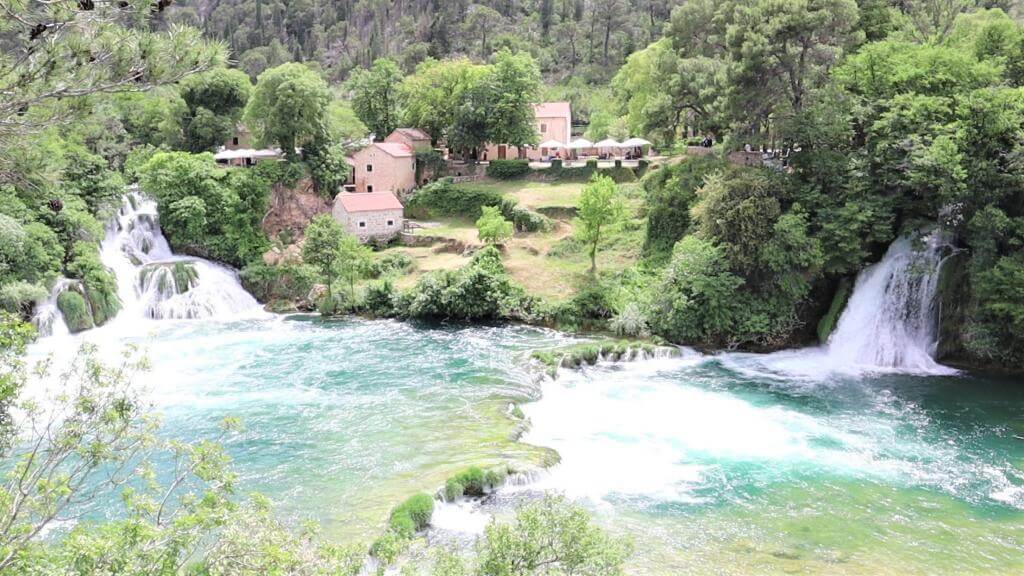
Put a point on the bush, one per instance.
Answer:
(284, 281)
(398, 262)
(479, 290)
(99, 284)
(473, 481)
(412, 515)
(528, 221)
(630, 322)
(508, 169)
(442, 198)
(380, 299)
(19, 297)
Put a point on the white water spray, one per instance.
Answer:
(48, 319)
(892, 320)
(153, 282)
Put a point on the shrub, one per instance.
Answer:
(528, 221)
(412, 515)
(99, 284)
(492, 226)
(630, 322)
(379, 299)
(508, 169)
(442, 198)
(473, 481)
(479, 290)
(284, 281)
(392, 262)
(18, 297)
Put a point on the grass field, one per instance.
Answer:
(548, 264)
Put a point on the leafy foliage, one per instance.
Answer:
(205, 210)
(599, 209)
(492, 227)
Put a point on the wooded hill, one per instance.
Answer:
(589, 38)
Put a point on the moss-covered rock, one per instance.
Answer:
(589, 353)
(829, 321)
(77, 313)
(474, 481)
(954, 297)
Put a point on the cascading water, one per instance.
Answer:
(891, 320)
(155, 283)
(48, 319)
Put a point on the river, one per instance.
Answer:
(712, 464)
(863, 456)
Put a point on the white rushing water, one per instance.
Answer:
(147, 281)
(891, 319)
(48, 319)
(152, 281)
(890, 323)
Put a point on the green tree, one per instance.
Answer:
(375, 96)
(322, 248)
(697, 298)
(288, 107)
(599, 209)
(49, 65)
(432, 95)
(216, 100)
(515, 81)
(492, 226)
(550, 535)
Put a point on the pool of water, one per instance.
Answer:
(713, 465)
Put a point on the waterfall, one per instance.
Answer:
(153, 282)
(891, 319)
(48, 319)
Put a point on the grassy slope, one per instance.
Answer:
(548, 264)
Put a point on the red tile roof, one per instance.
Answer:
(551, 110)
(368, 201)
(414, 133)
(396, 149)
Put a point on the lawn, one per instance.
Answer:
(535, 195)
(547, 264)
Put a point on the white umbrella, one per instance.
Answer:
(634, 142)
(608, 143)
(580, 144)
(551, 144)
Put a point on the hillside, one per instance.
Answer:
(584, 38)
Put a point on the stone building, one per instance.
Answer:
(553, 121)
(370, 216)
(384, 166)
(414, 138)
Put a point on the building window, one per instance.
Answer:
(362, 224)
(543, 128)
(369, 167)
(391, 222)
(234, 141)
(369, 187)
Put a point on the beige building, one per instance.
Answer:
(553, 121)
(370, 216)
(414, 138)
(384, 166)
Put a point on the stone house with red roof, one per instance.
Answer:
(553, 121)
(370, 216)
(384, 166)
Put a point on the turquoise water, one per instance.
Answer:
(721, 465)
